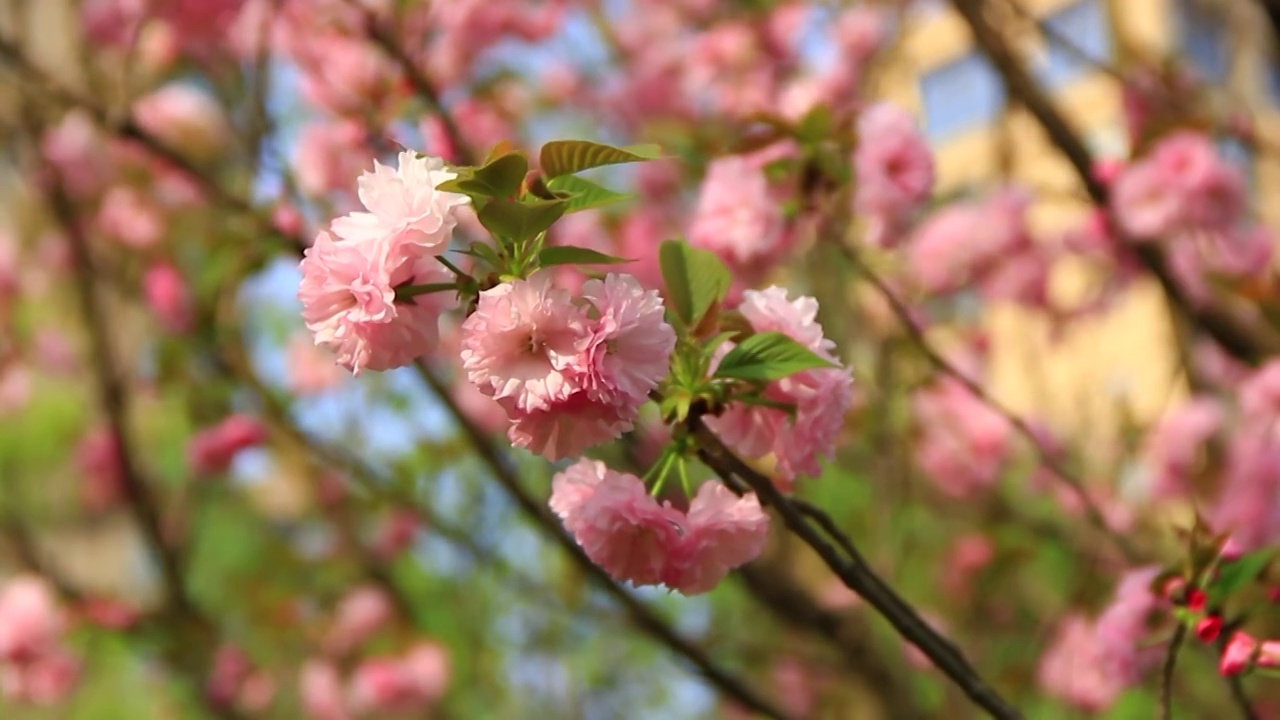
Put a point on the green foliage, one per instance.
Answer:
(766, 357)
(583, 194)
(500, 177)
(565, 157)
(574, 255)
(518, 221)
(1236, 574)
(695, 279)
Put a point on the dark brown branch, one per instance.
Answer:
(775, 590)
(1166, 672)
(1243, 340)
(843, 558)
(641, 616)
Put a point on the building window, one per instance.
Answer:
(1077, 39)
(962, 95)
(1204, 39)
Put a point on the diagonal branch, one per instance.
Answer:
(641, 615)
(817, 530)
(1244, 340)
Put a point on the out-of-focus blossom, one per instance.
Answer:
(74, 148)
(234, 682)
(406, 684)
(35, 668)
(168, 298)
(1121, 629)
(1182, 185)
(312, 369)
(395, 533)
(321, 692)
(894, 170)
(1072, 669)
(212, 449)
(359, 615)
(15, 387)
(821, 396)
(327, 155)
(185, 118)
(964, 443)
(346, 75)
(737, 218)
(98, 460)
(129, 217)
(624, 530)
(1176, 446)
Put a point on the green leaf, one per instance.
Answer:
(1239, 572)
(498, 178)
(516, 221)
(564, 157)
(768, 356)
(574, 255)
(695, 279)
(584, 194)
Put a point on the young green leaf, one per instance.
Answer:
(695, 279)
(1237, 573)
(574, 255)
(584, 194)
(766, 357)
(516, 221)
(565, 157)
(498, 178)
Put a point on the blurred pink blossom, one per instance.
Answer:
(361, 613)
(737, 217)
(130, 217)
(312, 369)
(1072, 669)
(211, 450)
(185, 118)
(168, 298)
(406, 684)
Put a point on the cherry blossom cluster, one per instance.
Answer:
(350, 276)
(36, 667)
(626, 531)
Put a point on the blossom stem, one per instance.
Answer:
(452, 268)
(406, 292)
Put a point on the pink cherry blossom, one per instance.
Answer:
(1072, 668)
(1260, 395)
(566, 426)
(737, 218)
(964, 443)
(73, 148)
(1182, 184)
(973, 242)
(520, 341)
(821, 396)
(404, 204)
(1176, 446)
(629, 349)
(185, 118)
(1239, 654)
(348, 295)
(320, 691)
(395, 533)
(1121, 629)
(30, 620)
(406, 684)
(327, 155)
(212, 449)
(722, 532)
(168, 298)
(627, 532)
(130, 217)
(620, 526)
(345, 75)
(359, 615)
(44, 680)
(1248, 504)
(98, 460)
(894, 168)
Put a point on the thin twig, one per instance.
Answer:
(853, 569)
(1166, 672)
(935, 358)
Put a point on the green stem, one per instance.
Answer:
(407, 292)
(452, 268)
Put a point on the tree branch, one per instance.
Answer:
(1243, 340)
(852, 568)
